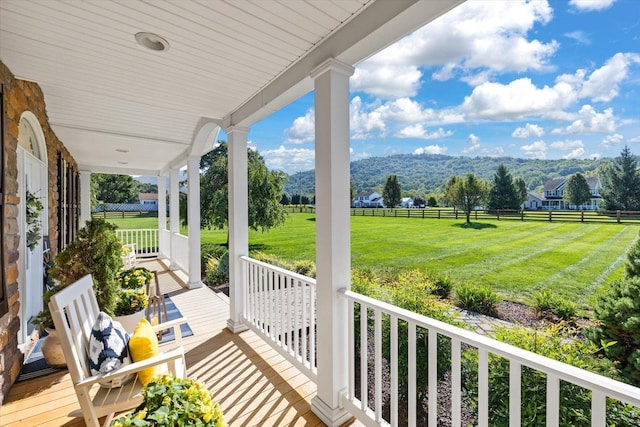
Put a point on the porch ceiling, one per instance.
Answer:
(233, 62)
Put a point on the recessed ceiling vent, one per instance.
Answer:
(152, 42)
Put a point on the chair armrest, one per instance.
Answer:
(132, 368)
(175, 324)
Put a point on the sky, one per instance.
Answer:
(557, 79)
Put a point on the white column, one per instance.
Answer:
(174, 214)
(333, 236)
(238, 223)
(85, 197)
(193, 216)
(163, 245)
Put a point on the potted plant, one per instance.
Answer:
(174, 401)
(34, 208)
(96, 251)
(134, 277)
(131, 304)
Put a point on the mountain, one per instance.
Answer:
(427, 173)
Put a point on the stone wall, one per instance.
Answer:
(20, 96)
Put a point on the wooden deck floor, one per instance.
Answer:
(253, 383)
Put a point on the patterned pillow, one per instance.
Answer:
(108, 349)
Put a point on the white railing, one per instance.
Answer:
(372, 312)
(180, 251)
(164, 241)
(145, 240)
(280, 307)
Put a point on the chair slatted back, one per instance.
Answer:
(74, 311)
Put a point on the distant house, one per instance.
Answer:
(553, 196)
(368, 200)
(406, 202)
(148, 198)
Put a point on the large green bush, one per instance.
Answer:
(480, 299)
(555, 342)
(618, 313)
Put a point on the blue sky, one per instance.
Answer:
(530, 79)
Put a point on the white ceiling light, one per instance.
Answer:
(152, 41)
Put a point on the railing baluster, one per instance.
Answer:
(456, 383)
(433, 377)
(283, 309)
(364, 392)
(303, 331)
(598, 408)
(515, 391)
(483, 388)
(289, 310)
(378, 364)
(553, 400)
(351, 350)
(312, 329)
(394, 371)
(412, 374)
(296, 318)
(270, 305)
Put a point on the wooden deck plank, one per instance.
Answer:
(253, 383)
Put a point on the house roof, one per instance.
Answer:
(121, 108)
(148, 196)
(553, 184)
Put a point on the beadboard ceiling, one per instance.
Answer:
(119, 107)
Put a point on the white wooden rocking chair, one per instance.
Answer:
(74, 311)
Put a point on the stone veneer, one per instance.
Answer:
(20, 96)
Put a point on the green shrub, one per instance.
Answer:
(546, 301)
(223, 267)
(556, 342)
(480, 299)
(211, 272)
(304, 267)
(442, 286)
(618, 312)
(209, 250)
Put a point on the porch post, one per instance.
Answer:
(238, 223)
(162, 216)
(333, 238)
(174, 215)
(85, 197)
(193, 213)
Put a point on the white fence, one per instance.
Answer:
(372, 312)
(164, 237)
(180, 251)
(145, 240)
(280, 306)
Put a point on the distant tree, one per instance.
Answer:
(392, 192)
(352, 193)
(265, 191)
(503, 194)
(432, 202)
(621, 183)
(147, 187)
(304, 200)
(576, 190)
(521, 191)
(115, 188)
(419, 201)
(285, 200)
(466, 193)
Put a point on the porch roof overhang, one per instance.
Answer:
(120, 108)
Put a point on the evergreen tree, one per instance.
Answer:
(432, 202)
(392, 192)
(576, 190)
(621, 183)
(503, 194)
(521, 191)
(466, 193)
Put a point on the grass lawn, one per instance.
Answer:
(515, 258)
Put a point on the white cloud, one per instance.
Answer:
(604, 83)
(591, 5)
(418, 131)
(474, 144)
(474, 40)
(567, 145)
(358, 156)
(290, 160)
(579, 36)
(590, 121)
(536, 150)
(495, 151)
(614, 139)
(634, 139)
(365, 124)
(302, 130)
(431, 149)
(528, 131)
(516, 100)
(385, 80)
(578, 153)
